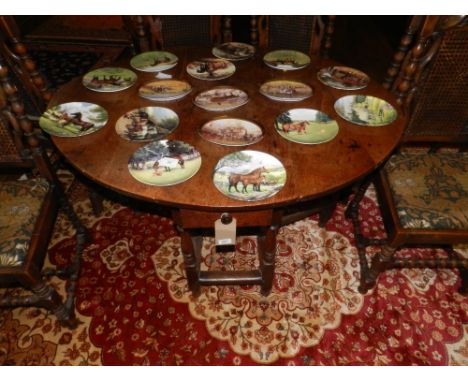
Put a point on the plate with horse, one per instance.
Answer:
(164, 163)
(306, 126)
(342, 77)
(231, 132)
(164, 90)
(73, 119)
(286, 59)
(154, 61)
(249, 175)
(286, 91)
(109, 79)
(234, 51)
(221, 98)
(211, 69)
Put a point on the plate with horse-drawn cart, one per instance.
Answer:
(109, 79)
(342, 77)
(211, 69)
(249, 175)
(286, 91)
(234, 51)
(147, 123)
(154, 61)
(286, 59)
(221, 98)
(165, 90)
(164, 163)
(306, 126)
(73, 119)
(231, 132)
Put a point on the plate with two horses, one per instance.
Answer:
(147, 123)
(306, 126)
(249, 175)
(73, 119)
(211, 69)
(164, 163)
(109, 79)
(154, 61)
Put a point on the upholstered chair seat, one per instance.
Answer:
(20, 206)
(430, 191)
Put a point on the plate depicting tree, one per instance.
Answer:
(233, 51)
(365, 110)
(73, 119)
(221, 98)
(154, 61)
(306, 126)
(231, 132)
(342, 77)
(147, 123)
(284, 90)
(286, 59)
(249, 175)
(211, 69)
(109, 79)
(164, 163)
(165, 90)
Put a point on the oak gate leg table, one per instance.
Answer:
(315, 173)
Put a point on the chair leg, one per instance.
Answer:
(380, 263)
(464, 284)
(96, 202)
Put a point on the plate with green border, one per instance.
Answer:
(109, 79)
(164, 163)
(154, 61)
(249, 175)
(286, 59)
(306, 126)
(73, 119)
(365, 110)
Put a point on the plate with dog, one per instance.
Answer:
(306, 126)
(211, 69)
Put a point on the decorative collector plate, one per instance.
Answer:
(233, 51)
(221, 98)
(109, 79)
(306, 126)
(73, 119)
(284, 90)
(164, 163)
(231, 132)
(342, 77)
(249, 175)
(147, 123)
(154, 61)
(211, 69)
(365, 110)
(165, 90)
(286, 59)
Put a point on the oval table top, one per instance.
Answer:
(312, 170)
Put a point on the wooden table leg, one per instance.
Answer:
(190, 261)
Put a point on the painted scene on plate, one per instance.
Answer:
(221, 98)
(231, 132)
(109, 79)
(342, 77)
(365, 110)
(286, 90)
(211, 69)
(249, 175)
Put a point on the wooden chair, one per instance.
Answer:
(309, 34)
(423, 195)
(27, 215)
(160, 32)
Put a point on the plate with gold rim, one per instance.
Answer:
(154, 61)
(231, 132)
(211, 69)
(343, 78)
(109, 79)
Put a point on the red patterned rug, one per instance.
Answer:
(135, 308)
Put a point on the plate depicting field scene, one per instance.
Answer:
(154, 61)
(342, 77)
(164, 90)
(109, 79)
(231, 132)
(365, 110)
(73, 119)
(221, 98)
(147, 123)
(286, 59)
(306, 126)
(211, 69)
(288, 91)
(164, 163)
(249, 175)
(233, 51)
